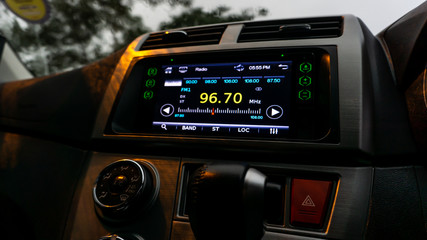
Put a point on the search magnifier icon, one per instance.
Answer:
(163, 126)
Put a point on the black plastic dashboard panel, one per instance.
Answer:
(349, 212)
(276, 94)
(353, 112)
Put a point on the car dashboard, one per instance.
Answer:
(279, 129)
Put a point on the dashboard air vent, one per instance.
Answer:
(184, 37)
(292, 29)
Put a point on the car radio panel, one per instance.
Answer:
(232, 97)
(271, 94)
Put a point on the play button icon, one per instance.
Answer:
(167, 110)
(274, 112)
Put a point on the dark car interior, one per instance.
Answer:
(309, 128)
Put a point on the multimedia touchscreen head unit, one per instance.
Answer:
(274, 94)
(231, 97)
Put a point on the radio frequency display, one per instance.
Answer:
(236, 98)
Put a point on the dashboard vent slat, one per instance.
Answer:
(327, 27)
(184, 37)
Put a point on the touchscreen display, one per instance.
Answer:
(234, 97)
(254, 94)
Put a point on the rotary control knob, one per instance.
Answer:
(125, 237)
(125, 188)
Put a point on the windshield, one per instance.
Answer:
(58, 35)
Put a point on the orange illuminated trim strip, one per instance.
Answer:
(333, 207)
(126, 62)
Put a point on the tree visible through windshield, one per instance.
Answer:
(82, 31)
(78, 32)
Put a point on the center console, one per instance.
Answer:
(275, 120)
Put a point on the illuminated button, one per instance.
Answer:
(243, 130)
(152, 72)
(239, 68)
(167, 110)
(284, 66)
(274, 112)
(183, 69)
(216, 130)
(168, 70)
(304, 94)
(309, 202)
(148, 95)
(274, 131)
(305, 67)
(164, 127)
(119, 184)
(150, 83)
(190, 128)
(304, 81)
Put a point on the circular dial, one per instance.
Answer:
(123, 237)
(118, 183)
(125, 186)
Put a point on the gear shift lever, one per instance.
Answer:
(227, 202)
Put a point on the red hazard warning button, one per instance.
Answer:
(309, 202)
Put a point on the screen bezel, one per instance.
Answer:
(131, 117)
